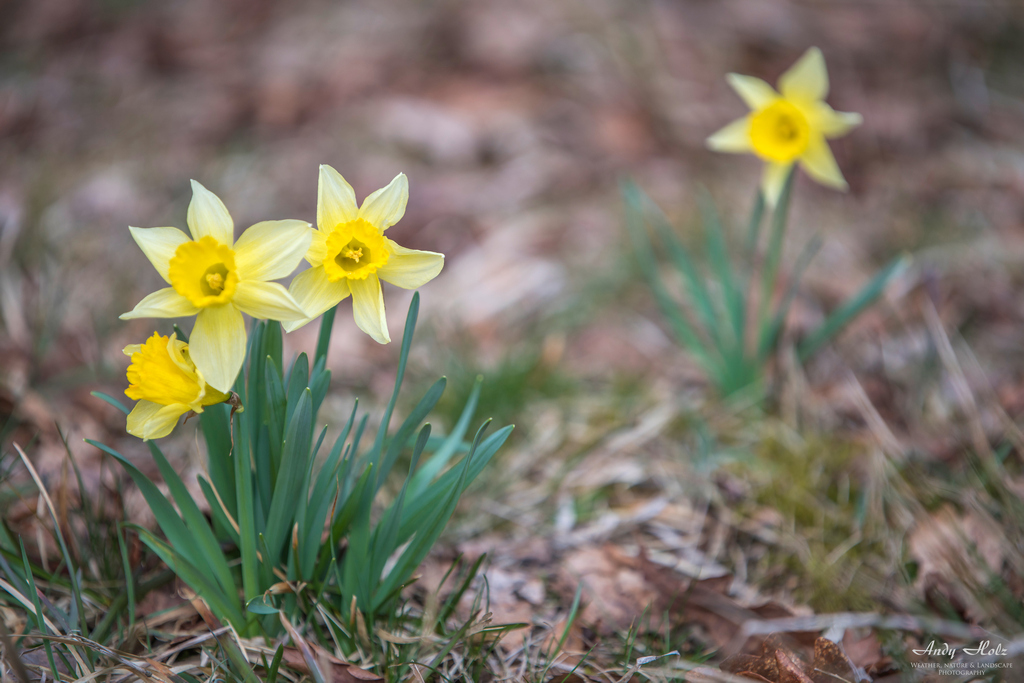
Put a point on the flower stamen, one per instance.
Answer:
(215, 281)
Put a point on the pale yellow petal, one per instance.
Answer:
(207, 215)
(819, 163)
(807, 80)
(832, 123)
(131, 349)
(368, 308)
(317, 248)
(272, 249)
(159, 245)
(773, 180)
(755, 92)
(386, 206)
(217, 345)
(733, 138)
(315, 294)
(267, 301)
(163, 303)
(409, 268)
(153, 421)
(335, 201)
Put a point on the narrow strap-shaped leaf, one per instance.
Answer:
(699, 294)
(384, 541)
(323, 496)
(682, 328)
(298, 382)
(432, 467)
(319, 489)
(220, 515)
(718, 254)
(429, 529)
(111, 400)
(216, 424)
(436, 492)
(319, 383)
(357, 439)
(309, 532)
(246, 514)
(851, 308)
(347, 511)
(323, 342)
(254, 394)
(273, 343)
(166, 516)
(202, 534)
(290, 477)
(327, 478)
(358, 554)
(403, 357)
(275, 416)
(221, 603)
(409, 425)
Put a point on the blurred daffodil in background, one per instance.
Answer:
(166, 384)
(788, 126)
(350, 255)
(217, 279)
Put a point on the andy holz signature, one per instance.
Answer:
(985, 648)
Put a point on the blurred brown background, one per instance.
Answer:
(514, 122)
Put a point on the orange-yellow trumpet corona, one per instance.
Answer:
(166, 384)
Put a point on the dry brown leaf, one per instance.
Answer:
(789, 670)
(780, 662)
(862, 652)
(831, 665)
(952, 550)
(341, 671)
(615, 593)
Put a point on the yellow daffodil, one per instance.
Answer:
(349, 254)
(216, 279)
(166, 384)
(788, 126)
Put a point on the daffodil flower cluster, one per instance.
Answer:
(788, 126)
(216, 279)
